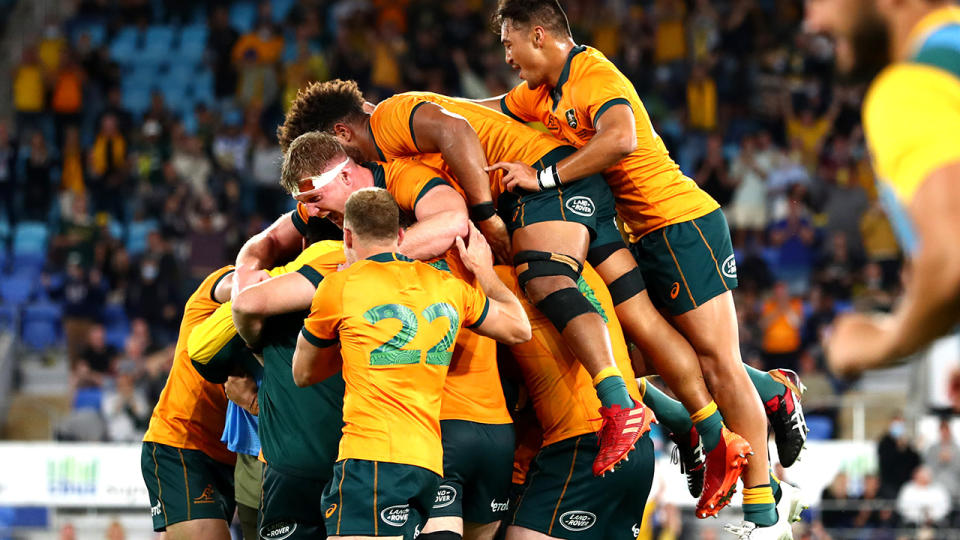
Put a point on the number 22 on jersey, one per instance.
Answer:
(393, 353)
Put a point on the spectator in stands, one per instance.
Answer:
(153, 293)
(83, 294)
(897, 458)
(115, 531)
(669, 35)
(874, 513)
(114, 107)
(793, 239)
(67, 98)
(879, 243)
(97, 359)
(149, 152)
(923, 502)
(821, 314)
(231, 144)
(255, 56)
(870, 294)
(8, 174)
(836, 504)
(712, 172)
(838, 268)
(220, 42)
(942, 458)
(125, 408)
(781, 324)
(76, 236)
(809, 129)
(38, 186)
(748, 208)
(191, 163)
(29, 89)
(108, 158)
(71, 163)
(701, 100)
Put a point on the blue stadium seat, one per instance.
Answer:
(96, 30)
(242, 16)
(16, 289)
(124, 47)
(821, 427)
(193, 43)
(181, 74)
(41, 325)
(116, 325)
(116, 230)
(8, 318)
(281, 8)
(87, 398)
(137, 236)
(30, 237)
(136, 100)
(157, 45)
(4, 229)
(28, 263)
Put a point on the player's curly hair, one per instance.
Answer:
(319, 106)
(545, 13)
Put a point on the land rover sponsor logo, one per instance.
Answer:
(445, 496)
(729, 267)
(278, 530)
(581, 205)
(396, 515)
(577, 520)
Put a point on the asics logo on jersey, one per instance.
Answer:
(577, 520)
(278, 530)
(571, 118)
(581, 205)
(499, 507)
(445, 496)
(729, 267)
(396, 516)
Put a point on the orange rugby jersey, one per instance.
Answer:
(408, 180)
(502, 138)
(396, 321)
(191, 411)
(561, 390)
(649, 188)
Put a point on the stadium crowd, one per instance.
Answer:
(142, 200)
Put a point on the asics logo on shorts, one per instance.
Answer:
(577, 520)
(278, 530)
(581, 205)
(445, 496)
(675, 290)
(331, 510)
(729, 267)
(396, 516)
(498, 506)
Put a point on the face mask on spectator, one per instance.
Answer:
(149, 272)
(896, 429)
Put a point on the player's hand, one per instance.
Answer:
(857, 342)
(475, 253)
(245, 276)
(516, 174)
(495, 232)
(242, 390)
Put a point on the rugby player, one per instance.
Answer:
(541, 223)
(188, 471)
(677, 231)
(911, 117)
(392, 379)
(299, 428)
(477, 433)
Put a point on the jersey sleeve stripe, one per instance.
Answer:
(483, 315)
(213, 289)
(434, 182)
(603, 108)
(311, 274)
(947, 59)
(316, 341)
(506, 110)
(413, 135)
(298, 222)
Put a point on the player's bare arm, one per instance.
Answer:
(312, 364)
(616, 138)
(277, 243)
(506, 321)
(441, 218)
(281, 294)
(438, 130)
(930, 306)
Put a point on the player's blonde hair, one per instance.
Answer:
(309, 155)
(372, 215)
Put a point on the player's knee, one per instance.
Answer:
(541, 273)
(440, 535)
(562, 306)
(597, 255)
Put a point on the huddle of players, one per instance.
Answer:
(548, 205)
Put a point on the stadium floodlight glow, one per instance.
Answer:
(313, 183)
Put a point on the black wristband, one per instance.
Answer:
(482, 211)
